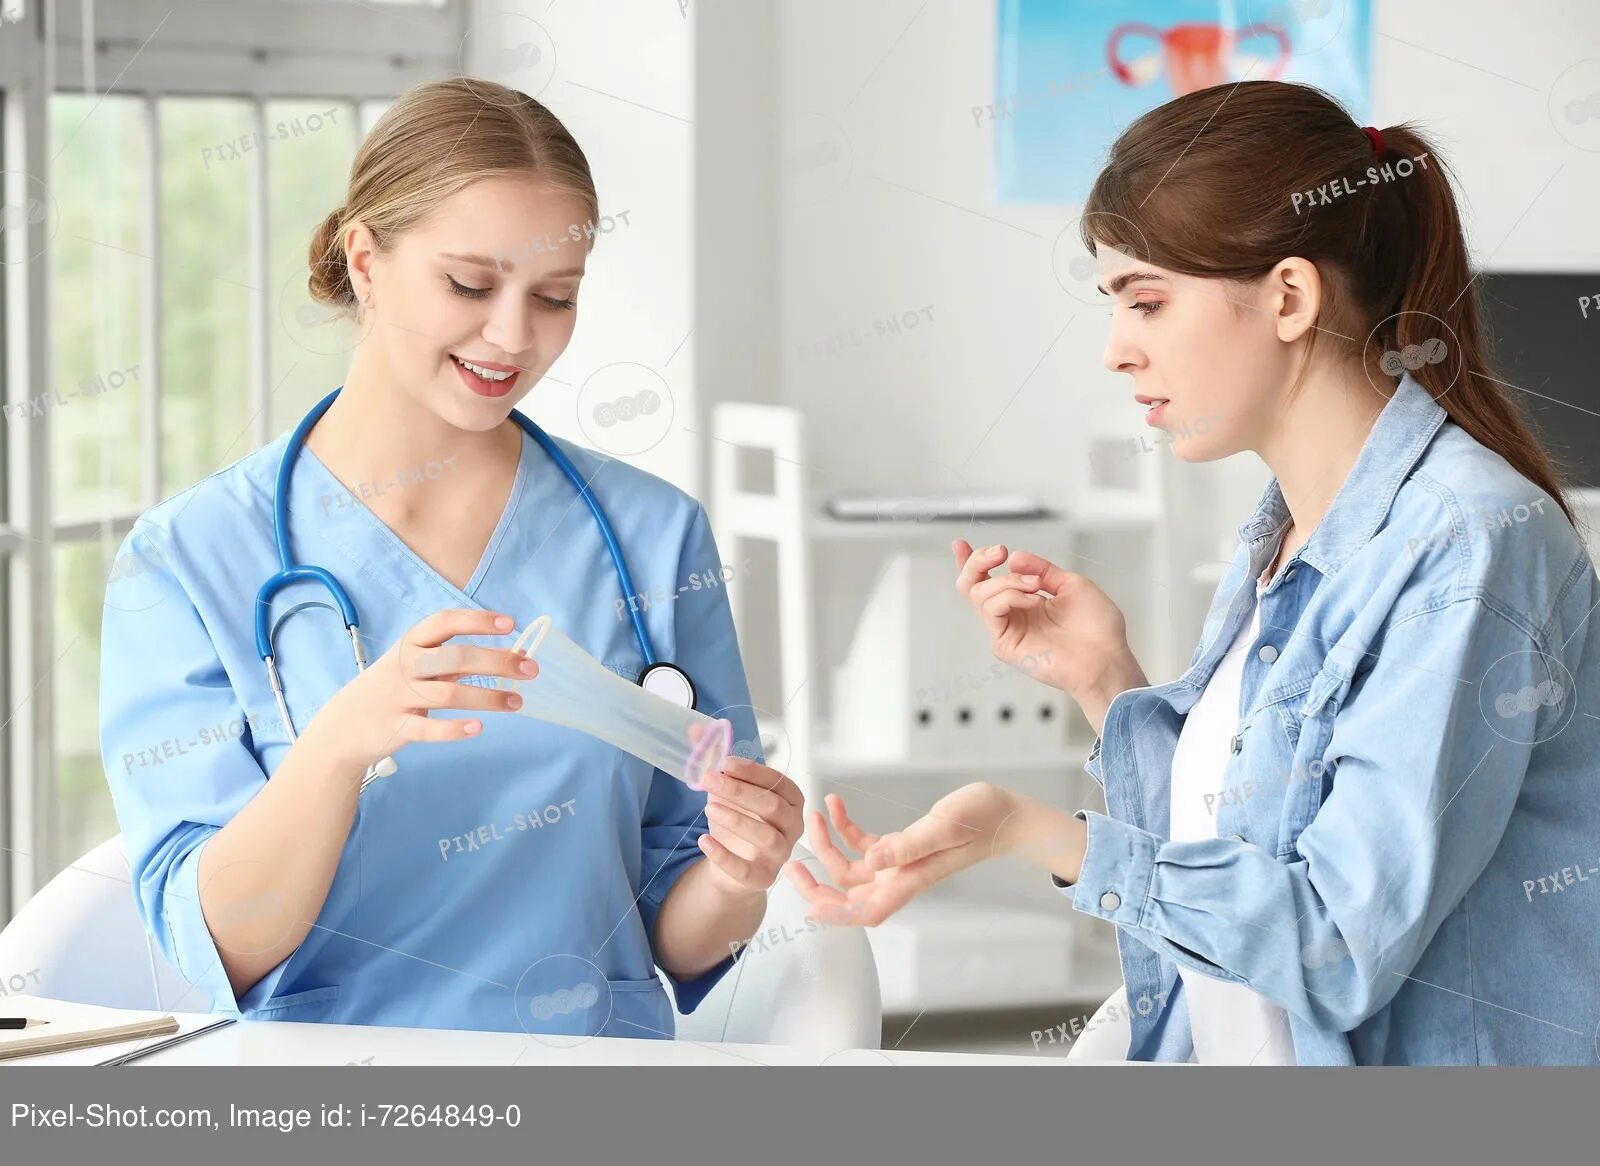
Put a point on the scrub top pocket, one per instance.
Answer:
(313, 1004)
(563, 998)
(640, 1008)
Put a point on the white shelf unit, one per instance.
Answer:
(829, 761)
(1019, 942)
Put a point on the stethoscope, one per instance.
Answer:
(661, 677)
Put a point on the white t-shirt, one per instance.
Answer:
(1232, 1024)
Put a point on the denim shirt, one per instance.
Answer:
(1408, 849)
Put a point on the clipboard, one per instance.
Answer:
(89, 1034)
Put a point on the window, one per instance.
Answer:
(183, 201)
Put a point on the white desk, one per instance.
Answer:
(292, 1043)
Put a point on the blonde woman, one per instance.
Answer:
(505, 873)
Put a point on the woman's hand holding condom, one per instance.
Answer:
(388, 703)
(754, 814)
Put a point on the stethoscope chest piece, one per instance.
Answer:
(669, 681)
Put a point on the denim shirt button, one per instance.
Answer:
(1268, 653)
(1110, 901)
(1235, 743)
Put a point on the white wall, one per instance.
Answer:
(623, 84)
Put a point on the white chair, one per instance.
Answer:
(1106, 1036)
(798, 983)
(80, 939)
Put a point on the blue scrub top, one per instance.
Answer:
(509, 881)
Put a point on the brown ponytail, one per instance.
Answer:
(1225, 182)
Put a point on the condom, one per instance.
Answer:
(576, 690)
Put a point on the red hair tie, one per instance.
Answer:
(1375, 138)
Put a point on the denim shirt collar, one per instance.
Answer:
(1398, 438)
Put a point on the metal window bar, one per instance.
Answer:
(149, 292)
(29, 564)
(261, 299)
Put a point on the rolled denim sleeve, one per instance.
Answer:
(1092, 765)
(1425, 787)
(707, 648)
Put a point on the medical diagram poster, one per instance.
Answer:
(1072, 74)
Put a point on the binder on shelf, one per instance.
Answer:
(920, 682)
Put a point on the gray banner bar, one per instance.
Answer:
(1090, 1114)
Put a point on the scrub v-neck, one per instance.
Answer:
(485, 559)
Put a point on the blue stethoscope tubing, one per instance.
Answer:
(657, 675)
